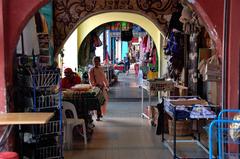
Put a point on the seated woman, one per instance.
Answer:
(70, 79)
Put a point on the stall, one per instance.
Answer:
(152, 87)
(189, 108)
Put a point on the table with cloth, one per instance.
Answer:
(85, 98)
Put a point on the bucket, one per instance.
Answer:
(8, 155)
(183, 127)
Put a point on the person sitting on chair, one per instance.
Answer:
(70, 79)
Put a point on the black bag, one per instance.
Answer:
(126, 35)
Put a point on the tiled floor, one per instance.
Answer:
(123, 134)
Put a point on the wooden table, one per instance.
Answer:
(25, 118)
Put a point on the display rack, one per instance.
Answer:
(153, 86)
(188, 102)
(227, 131)
(47, 97)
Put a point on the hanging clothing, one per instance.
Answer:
(38, 21)
(44, 24)
(154, 56)
(148, 46)
(144, 42)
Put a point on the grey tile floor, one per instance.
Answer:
(124, 134)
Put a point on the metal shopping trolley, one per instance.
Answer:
(228, 135)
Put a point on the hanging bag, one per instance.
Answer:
(213, 69)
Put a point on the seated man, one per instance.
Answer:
(70, 79)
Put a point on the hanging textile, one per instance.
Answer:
(38, 21)
(193, 65)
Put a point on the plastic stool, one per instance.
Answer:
(8, 155)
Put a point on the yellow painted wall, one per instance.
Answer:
(92, 22)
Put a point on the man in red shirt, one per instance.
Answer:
(70, 79)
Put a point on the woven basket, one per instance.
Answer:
(183, 127)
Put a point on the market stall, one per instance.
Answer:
(186, 108)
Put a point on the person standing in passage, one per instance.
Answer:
(127, 64)
(97, 78)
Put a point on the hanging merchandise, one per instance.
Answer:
(193, 64)
(124, 26)
(154, 55)
(174, 49)
(213, 70)
(148, 46)
(96, 40)
(126, 31)
(126, 35)
(186, 15)
(172, 45)
(174, 22)
(144, 42)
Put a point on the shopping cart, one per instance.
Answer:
(228, 139)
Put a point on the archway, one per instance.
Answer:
(92, 22)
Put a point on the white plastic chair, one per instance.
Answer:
(70, 123)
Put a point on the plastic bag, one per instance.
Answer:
(213, 71)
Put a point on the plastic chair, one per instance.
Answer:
(70, 123)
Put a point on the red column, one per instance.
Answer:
(2, 59)
(233, 55)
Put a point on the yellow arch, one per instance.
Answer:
(94, 21)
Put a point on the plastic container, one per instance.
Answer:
(8, 155)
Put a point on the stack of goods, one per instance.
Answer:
(76, 91)
(199, 111)
(81, 87)
(183, 108)
(235, 128)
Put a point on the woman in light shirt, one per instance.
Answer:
(97, 78)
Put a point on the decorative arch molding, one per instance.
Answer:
(68, 14)
(89, 24)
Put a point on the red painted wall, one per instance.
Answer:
(2, 61)
(212, 19)
(214, 9)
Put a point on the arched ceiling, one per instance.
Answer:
(91, 23)
(69, 14)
